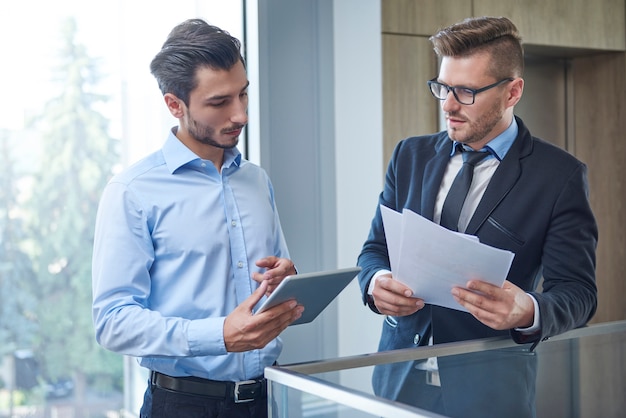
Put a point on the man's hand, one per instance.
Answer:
(244, 331)
(276, 270)
(394, 298)
(499, 308)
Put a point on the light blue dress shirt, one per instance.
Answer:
(174, 250)
(498, 146)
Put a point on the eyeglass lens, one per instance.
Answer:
(463, 95)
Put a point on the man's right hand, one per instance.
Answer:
(394, 298)
(245, 331)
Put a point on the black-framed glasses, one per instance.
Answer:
(463, 95)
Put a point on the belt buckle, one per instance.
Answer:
(247, 395)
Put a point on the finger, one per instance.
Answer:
(282, 267)
(397, 305)
(278, 323)
(272, 280)
(383, 295)
(256, 296)
(488, 289)
(266, 261)
(257, 277)
(262, 278)
(280, 316)
(397, 310)
(394, 286)
(468, 297)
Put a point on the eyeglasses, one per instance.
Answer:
(463, 95)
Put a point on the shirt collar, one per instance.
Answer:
(500, 145)
(176, 154)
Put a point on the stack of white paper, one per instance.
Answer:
(431, 259)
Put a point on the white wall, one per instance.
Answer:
(358, 138)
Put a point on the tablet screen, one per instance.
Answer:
(312, 290)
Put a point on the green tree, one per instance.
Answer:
(78, 156)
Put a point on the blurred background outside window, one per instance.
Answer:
(79, 104)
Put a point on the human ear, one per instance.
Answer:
(516, 89)
(174, 105)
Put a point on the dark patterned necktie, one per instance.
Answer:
(458, 191)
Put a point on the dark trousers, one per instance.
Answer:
(163, 403)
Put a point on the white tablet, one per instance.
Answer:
(312, 290)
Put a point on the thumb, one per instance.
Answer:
(256, 296)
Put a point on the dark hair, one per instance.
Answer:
(497, 36)
(191, 45)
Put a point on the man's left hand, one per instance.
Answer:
(500, 308)
(276, 270)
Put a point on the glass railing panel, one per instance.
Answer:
(295, 395)
(578, 374)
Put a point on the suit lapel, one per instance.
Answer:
(434, 171)
(503, 180)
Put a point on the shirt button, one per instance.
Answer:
(233, 223)
(240, 264)
(416, 339)
(203, 164)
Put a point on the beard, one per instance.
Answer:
(480, 128)
(205, 134)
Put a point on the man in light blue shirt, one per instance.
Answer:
(188, 241)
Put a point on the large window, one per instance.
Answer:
(79, 103)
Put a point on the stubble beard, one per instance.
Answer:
(480, 128)
(206, 135)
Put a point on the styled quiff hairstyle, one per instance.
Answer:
(496, 36)
(191, 45)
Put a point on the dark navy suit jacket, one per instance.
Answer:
(536, 205)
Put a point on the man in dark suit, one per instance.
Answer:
(527, 196)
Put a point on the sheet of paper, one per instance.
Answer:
(392, 222)
(431, 259)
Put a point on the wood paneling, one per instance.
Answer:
(600, 142)
(545, 87)
(581, 24)
(408, 107)
(598, 24)
(422, 17)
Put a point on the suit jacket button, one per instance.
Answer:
(416, 339)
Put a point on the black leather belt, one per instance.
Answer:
(238, 392)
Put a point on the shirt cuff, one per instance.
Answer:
(206, 337)
(376, 275)
(536, 321)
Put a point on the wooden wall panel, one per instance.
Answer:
(545, 87)
(579, 24)
(600, 142)
(408, 107)
(598, 24)
(422, 17)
